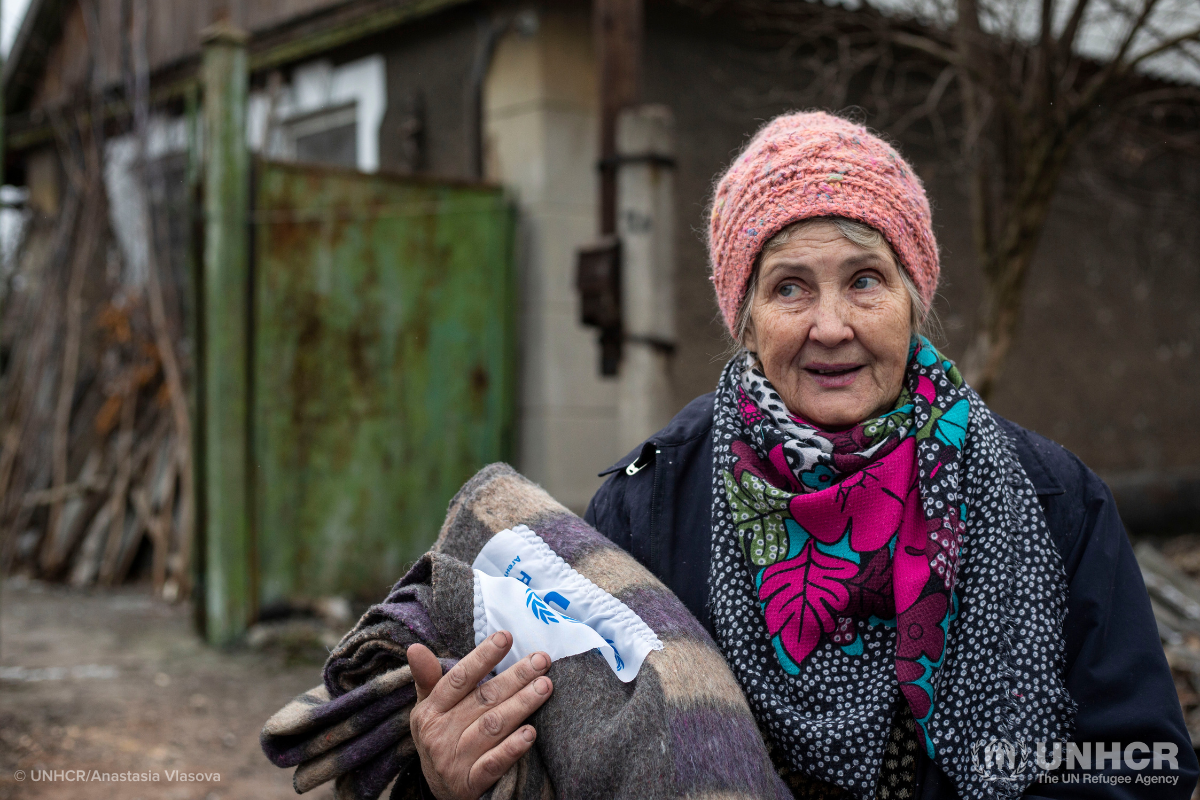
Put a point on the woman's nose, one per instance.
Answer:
(829, 325)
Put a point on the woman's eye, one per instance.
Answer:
(865, 282)
(789, 290)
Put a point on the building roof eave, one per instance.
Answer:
(294, 40)
(41, 24)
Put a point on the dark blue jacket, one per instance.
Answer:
(1115, 667)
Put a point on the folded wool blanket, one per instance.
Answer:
(682, 728)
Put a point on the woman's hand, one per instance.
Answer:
(465, 731)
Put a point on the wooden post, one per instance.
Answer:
(224, 374)
(193, 553)
(618, 30)
(3, 158)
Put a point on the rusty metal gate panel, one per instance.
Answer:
(383, 371)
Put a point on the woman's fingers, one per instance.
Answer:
(496, 723)
(464, 730)
(464, 676)
(506, 684)
(495, 762)
(426, 670)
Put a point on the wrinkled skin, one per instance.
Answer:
(830, 322)
(468, 734)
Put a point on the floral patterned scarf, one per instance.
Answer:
(836, 575)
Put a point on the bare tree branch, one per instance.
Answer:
(1066, 40)
(1114, 66)
(927, 45)
(1169, 44)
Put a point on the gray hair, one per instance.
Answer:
(923, 319)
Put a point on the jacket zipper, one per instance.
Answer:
(655, 503)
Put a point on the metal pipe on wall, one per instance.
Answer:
(617, 26)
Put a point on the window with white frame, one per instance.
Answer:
(327, 136)
(324, 114)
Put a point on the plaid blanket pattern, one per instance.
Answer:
(681, 729)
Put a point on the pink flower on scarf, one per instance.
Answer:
(873, 503)
(768, 471)
(926, 389)
(803, 597)
(911, 562)
(919, 629)
(920, 635)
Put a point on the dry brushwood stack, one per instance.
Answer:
(1175, 597)
(95, 454)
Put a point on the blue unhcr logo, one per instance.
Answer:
(542, 612)
(616, 654)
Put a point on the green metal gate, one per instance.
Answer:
(382, 369)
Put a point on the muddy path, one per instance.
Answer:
(116, 682)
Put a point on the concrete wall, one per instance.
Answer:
(646, 226)
(540, 124)
(1108, 356)
(429, 63)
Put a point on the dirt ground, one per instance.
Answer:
(117, 682)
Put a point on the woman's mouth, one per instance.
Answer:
(833, 376)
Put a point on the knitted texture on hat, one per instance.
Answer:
(813, 164)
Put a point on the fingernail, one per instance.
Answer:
(500, 639)
(528, 734)
(540, 662)
(542, 686)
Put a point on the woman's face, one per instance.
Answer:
(830, 322)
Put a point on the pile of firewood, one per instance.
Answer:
(95, 437)
(1170, 576)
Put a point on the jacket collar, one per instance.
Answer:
(694, 421)
(1045, 482)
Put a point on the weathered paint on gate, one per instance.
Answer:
(383, 372)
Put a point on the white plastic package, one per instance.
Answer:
(522, 586)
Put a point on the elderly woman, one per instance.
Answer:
(902, 582)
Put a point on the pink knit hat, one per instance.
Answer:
(816, 165)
